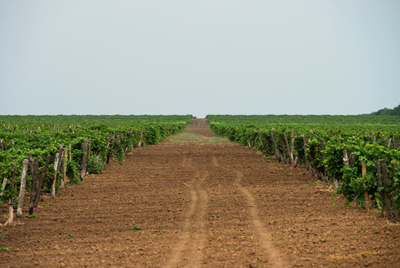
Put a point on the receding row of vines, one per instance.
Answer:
(39, 154)
(359, 154)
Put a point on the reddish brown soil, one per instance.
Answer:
(199, 203)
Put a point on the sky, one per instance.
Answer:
(199, 57)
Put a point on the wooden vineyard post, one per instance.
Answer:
(110, 148)
(345, 158)
(277, 152)
(22, 188)
(396, 213)
(398, 144)
(297, 156)
(385, 178)
(141, 138)
(127, 144)
(259, 139)
(57, 163)
(305, 142)
(10, 208)
(53, 185)
(352, 159)
(131, 140)
(123, 144)
(88, 151)
(133, 143)
(62, 171)
(139, 144)
(323, 157)
(283, 148)
(379, 179)
(106, 160)
(64, 167)
(2, 145)
(34, 185)
(389, 144)
(346, 162)
(118, 141)
(364, 173)
(310, 170)
(88, 155)
(84, 158)
(290, 155)
(267, 146)
(118, 138)
(3, 186)
(292, 148)
(40, 184)
(113, 138)
(70, 153)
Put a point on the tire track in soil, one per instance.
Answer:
(188, 251)
(265, 238)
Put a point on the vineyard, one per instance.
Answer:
(37, 153)
(360, 154)
(176, 191)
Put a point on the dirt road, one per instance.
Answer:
(199, 201)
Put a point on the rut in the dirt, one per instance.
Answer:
(192, 243)
(200, 201)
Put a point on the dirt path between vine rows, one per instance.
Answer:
(199, 201)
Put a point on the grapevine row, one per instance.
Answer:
(362, 163)
(39, 153)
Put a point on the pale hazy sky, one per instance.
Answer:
(199, 57)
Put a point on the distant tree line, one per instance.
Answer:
(386, 111)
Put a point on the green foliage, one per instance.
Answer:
(314, 154)
(386, 111)
(72, 172)
(42, 136)
(95, 164)
(77, 155)
(366, 137)
(48, 179)
(334, 198)
(8, 192)
(119, 152)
